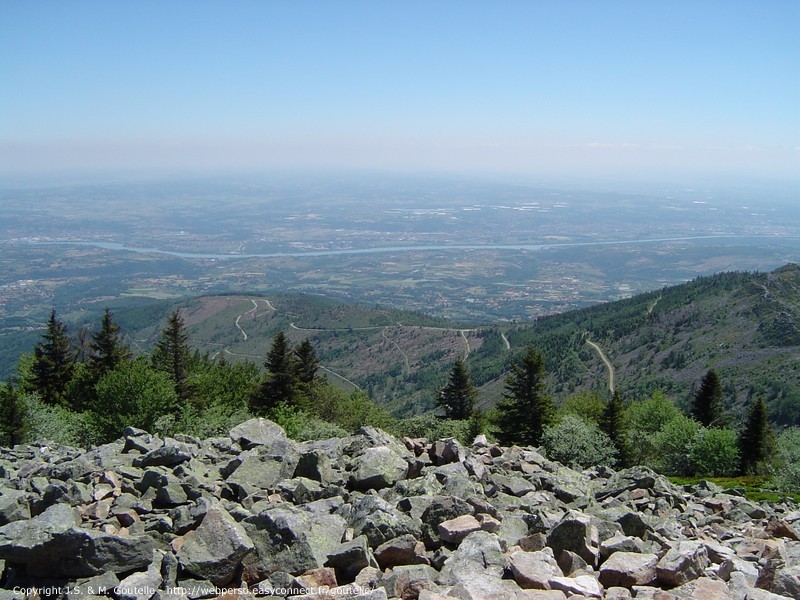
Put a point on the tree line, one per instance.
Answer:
(87, 393)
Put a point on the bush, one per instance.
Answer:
(578, 443)
(133, 394)
(672, 445)
(317, 429)
(643, 421)
(432, 428)
(57, 424)
(786, 465)
(586, 405)
(714, 452)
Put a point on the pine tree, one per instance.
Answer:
(106, 350)
(53, 363)
(307, 363)
(458, 396)
(525, 409)
(280, 383)
(755, 439)
(612, 424)
(707, 403)
(172, 355)
(13, 415)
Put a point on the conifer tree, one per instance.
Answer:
(53, 363)
(280, 384)
(172, 355)
(107, 350)
(612, 424)
(13, 415)
(756, 438)
(707, 403)
(307, 363)
(458, 396)
(525, 409)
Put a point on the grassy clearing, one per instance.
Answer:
(755, 488)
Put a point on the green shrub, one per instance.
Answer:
(432, 428)
(317, 429)
(672, 446)
(786, 465)
(133, 394)
(577, 443)
(57, 424)
(714, 452)
(586, 405)
(643, 421)
(292, 419)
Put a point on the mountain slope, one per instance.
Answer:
(746, 326)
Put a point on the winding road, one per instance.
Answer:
(607, 362)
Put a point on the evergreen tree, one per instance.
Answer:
(525, 409)
(13, 416)
(307, 363)
(53, 363)
(106, 350)
(458, 396)
(612, 424)
(707, 403)
(756, 438)
(280, 383)
(172, 355)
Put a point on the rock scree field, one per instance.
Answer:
(372, 517)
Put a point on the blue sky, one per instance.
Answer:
(628, 89)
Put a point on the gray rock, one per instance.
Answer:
(14, 506)
(350, 558)
(626, 569)
(258, 432)
(686, 560)
(576, 533)
(168, 455)
(292, 540)
(215, 549)
(582, 585)
(52, 543)
(378, 520)
(377, 468)
(447, 451)
(533, 570)
(142, 585)
(479, 552)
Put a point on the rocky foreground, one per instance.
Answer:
(371, 517)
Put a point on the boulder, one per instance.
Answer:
(348, 559)
(479, 552)
(377, 468)
(576, 533)
(215, 549)
(685, 560)
(52, 543)
(289, 539)
(447, 451)
(627, 569)
(533, 570)
(455, 530)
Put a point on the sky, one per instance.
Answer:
(572, 88)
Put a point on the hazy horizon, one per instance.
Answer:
(619, 91)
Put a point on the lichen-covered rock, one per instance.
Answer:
(215, 549)
(52, 543)
(377, 468)
(375, 519)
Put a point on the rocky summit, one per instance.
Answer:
(372, 517)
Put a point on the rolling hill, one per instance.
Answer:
(744, 325)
